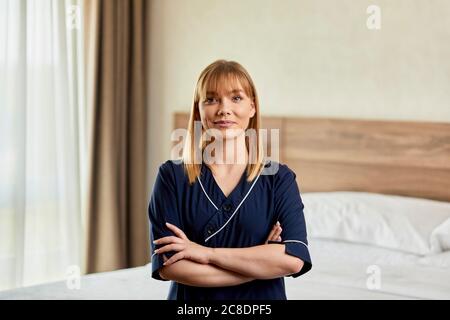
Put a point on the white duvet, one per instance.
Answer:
(343, 270)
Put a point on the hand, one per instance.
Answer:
(275, 233)
(186, 248)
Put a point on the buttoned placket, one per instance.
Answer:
(226, 208)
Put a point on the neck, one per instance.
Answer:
(231, 153)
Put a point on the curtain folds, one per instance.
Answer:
(42, 146)
(115, 54)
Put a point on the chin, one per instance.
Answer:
(232, 134)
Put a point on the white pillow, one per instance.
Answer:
(414, 225)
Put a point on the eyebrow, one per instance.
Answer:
(232, 91)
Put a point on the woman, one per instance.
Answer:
(215, 226)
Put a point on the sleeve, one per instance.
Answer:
(289, 210)
(162, 208)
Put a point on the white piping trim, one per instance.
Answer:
(201, 185)
(242, 201)
(298, 241)
(152, 255)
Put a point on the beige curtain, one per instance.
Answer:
(116, 222)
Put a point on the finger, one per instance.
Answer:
(170, 247)
(178, 232)
(276, 226)
(168, 239)
(274, 238)
(272, 232)
(278, 239)
(174, 258)
(278, 232)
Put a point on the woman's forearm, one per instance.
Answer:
(266, 261)
(201, 275)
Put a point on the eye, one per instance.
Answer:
(237, 98)
(209, 100)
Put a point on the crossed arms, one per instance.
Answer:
(200, 266)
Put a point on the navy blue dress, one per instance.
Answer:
(243, 219)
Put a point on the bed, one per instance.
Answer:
(377, 206)
(339, 272)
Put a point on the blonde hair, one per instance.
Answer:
(209, 80)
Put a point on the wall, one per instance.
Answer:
(307, 58)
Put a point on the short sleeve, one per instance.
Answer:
(162, 208)
(289, 211)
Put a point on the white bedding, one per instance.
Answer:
(414, 225)
(339, 272)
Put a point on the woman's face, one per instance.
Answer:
(229, 111)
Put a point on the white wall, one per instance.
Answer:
(307, 58)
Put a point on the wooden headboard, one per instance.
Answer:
(390, 157)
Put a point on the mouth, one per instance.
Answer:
(224, 123)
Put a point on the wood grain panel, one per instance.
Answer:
(410, 144)
(180, 120)
(320, 176)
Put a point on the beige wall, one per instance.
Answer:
(307, 58)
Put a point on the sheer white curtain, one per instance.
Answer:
(42, 140)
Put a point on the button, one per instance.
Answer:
(209, 230)
(227, 207)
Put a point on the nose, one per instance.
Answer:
(224, 106)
